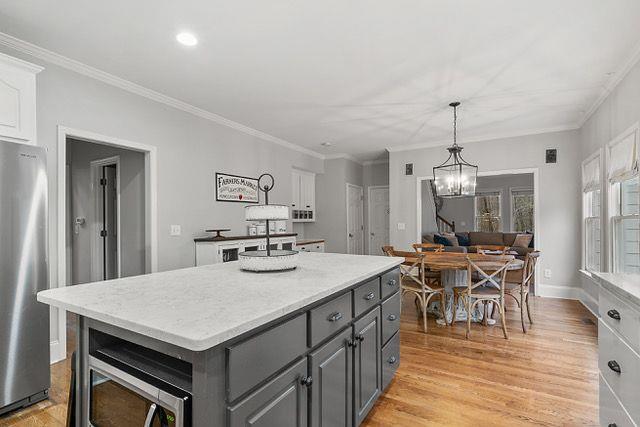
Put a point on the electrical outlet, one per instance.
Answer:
(176, 230)
(401, 226)
(547, 273)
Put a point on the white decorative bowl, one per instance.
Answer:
(266, 212)
(279, 260)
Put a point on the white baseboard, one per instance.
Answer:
(555, 291)
(57, 351)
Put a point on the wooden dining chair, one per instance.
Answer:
(417, 280)
(428, 247)
(489, 287)
(518, 284)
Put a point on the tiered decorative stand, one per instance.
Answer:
(269, 259)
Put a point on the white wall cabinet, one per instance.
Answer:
(18, 100)
(303, 197)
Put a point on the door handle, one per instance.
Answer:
(614, 314)
(360, 337)
(392, 317)
(150, 414)
(614, 366)
(369, 296)
(334, 317)
(373, 234)
(391, 282)
(350, 235)
(392, 360)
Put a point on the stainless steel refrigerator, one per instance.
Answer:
(24, 323)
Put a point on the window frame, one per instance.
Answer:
(497, 192)
(585, 255)
(512, 193)
(617, 217)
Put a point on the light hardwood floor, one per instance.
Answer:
(548, 377)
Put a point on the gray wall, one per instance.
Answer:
(190, 151)
(373, 175)
(619, 111)
(461, 211)
(559, 202)
(331, 203)
(132, 206)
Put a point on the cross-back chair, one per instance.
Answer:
(518, 284)
(485, 283)
(428, 247)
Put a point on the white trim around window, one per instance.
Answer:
(591, 184)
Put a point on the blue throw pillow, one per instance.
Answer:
(441, 240)
(463, 240)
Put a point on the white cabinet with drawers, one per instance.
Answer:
(18, 100)
(619, 349)
(303, 197)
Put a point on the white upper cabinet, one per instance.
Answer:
(303, 197)
(18, 100)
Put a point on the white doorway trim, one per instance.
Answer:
(361, 212)
(368, 230)
(94, 166)
(59, 343)
(536, 207)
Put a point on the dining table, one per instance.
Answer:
(453, 273)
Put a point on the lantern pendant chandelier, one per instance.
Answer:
(455, 177)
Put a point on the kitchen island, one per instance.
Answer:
(222, 347)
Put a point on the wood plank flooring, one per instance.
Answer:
(548, 377)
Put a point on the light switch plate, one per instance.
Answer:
(547, 273)
(176, 230)
(401, 226)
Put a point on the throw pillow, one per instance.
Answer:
(451, 237)
(441, 240)
(463, 239)
(522, 240)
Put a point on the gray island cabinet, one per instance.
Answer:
(216, 346)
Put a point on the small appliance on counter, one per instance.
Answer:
(269, 259)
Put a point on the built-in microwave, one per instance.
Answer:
(118, 398)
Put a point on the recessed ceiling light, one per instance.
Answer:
(187, 39)
(326, 144)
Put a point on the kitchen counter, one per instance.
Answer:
(224, 347)
(624, 286)
(231, 238)
(302, 242)
(198, 308)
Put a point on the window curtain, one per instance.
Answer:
(591, 175)
(623, 158)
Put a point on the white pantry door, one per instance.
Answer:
(355, 220)
(378, 219)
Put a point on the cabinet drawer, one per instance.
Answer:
(280, 402)
(614, 353)
(390, 283)
(366, 296)
(390, 359)
(621, 317)
(611, 412)
(254, 360)
(329, 318)
(390, 317)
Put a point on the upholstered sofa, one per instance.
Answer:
(468, 240)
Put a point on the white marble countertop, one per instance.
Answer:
(199, 308)
(625, 286)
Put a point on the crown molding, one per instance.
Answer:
(375, 162)
(612, 83)
(19, 63)
(484, 138)
(89, 71)
(343, 156)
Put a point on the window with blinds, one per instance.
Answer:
(591, 212)
(624, 202)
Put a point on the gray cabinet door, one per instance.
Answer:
(332, 391)
(281, 402)
(367, 368)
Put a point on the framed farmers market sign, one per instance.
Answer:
(234, 188)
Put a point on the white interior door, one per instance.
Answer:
(378, 219)
(355, 220)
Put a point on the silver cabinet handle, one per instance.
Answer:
(369, 296)
(392, 360)
(150, 414)
(334, 317)
(392, 317)
(391, 282)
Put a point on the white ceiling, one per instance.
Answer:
(364, 75)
